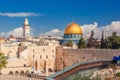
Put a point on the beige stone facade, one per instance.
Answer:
(42, 57)
(9, 49)
(37, 57)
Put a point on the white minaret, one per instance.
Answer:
(26, 29)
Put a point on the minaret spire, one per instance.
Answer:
(26, 28)
(26, 22)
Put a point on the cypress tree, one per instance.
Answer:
(102, 41)
(106, 43)
(81, 43)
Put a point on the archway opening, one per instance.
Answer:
(21, 72)
(10, 73)
(50, 70)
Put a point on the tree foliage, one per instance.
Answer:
(114, 41)
(118, 74)
(106, 43)
(3, 61)
(84, 77)
(81, 43)
(69, 44)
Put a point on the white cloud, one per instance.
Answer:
(108, 29)
(19, 14)
(17, 32)
(53, 32)
(114, 26)
(87, 28)
(2, 34)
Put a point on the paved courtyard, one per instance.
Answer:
(16, 77)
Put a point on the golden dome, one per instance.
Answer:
(73, 28)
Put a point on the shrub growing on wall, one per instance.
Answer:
(3, 61)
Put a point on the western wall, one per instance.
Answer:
(72, 56)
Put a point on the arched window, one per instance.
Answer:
(40, 56)
(52, 56)
(46, 56)
(43, 50)
(52, 50)
(33, 50)
(33, 56)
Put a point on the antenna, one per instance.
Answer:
(73, 20)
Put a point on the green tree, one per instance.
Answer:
(88, 78)
(114, 34)
(81, 43)
(118, 74)
(102, 45)
(69, 44)
(106, 43)
(114, 41)
(3, 61)
(77, 77)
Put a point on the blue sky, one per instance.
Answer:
(46, 15)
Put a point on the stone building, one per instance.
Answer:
(30, 56)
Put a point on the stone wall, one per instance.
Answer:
(72, 56)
